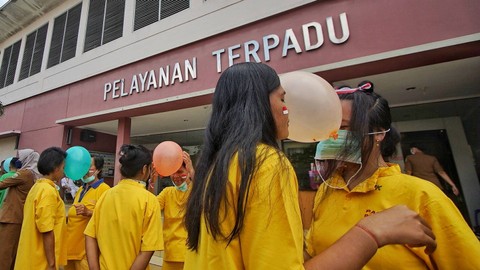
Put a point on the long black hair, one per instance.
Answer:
(241, 119)
(370, 113)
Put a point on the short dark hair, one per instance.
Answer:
(98, 161)
(133, 158)
(15, 163)
(416, 145)
(50, 159)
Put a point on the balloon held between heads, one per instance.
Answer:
(314, 108)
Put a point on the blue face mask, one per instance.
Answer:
(183, 187)
(331, 149)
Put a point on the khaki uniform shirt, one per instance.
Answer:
(425, 167)
(19, 185)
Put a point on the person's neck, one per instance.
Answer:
(93, 182)
(368, 169)
(51, 177)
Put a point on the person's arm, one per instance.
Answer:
(93, 253)
(188, 165)
(440, 171)
(447, 179)
(49, 247)
(82, 210)
(397, 225)
(10, 182)
(408, 166)
(142, 260)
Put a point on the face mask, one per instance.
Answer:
(183, 187)
(89, 179)
(331, 149)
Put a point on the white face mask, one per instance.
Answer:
(89, 179)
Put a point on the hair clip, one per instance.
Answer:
(364, 86)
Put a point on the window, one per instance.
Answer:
(148, 12)
(105, 22)
(33, 53)
(9, 64)
(64, 37)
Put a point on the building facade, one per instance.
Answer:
(103, 73)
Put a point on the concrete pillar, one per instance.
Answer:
(123, 137)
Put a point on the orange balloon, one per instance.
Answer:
(167, 158)
(314, 109)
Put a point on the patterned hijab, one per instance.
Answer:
(29, 159)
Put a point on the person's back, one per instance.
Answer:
(424, 166)
(270, 212)
(125, 228)
(44, 211)
(119, 218)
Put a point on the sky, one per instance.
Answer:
(2, 2)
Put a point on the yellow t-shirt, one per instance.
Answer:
(336, 211)
(77, 223)
(272, 234)
(126, 221)
(172, 203)
(44, 211)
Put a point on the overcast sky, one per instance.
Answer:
(2, 2)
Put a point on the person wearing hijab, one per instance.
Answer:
(14, 165)
(11, 213)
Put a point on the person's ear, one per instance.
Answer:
(380, 136)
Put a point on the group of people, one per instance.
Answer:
(238, 209)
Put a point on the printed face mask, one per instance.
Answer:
(331, 149)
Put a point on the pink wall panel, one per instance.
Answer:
(43, 110)
(375, 27)
(41, 139)
(12, 117)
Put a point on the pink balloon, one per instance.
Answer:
(167, 158)
(314, 109)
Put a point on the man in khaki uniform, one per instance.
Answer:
(427, 167)
(11, 213)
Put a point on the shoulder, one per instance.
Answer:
(422, 189)
(103, 186)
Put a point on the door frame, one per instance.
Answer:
(461, 151)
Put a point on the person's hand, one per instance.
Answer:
(188, 164)
(400, 225)
(82, 210)
(455, 190)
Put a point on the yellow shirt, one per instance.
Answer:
(44, 211)
(126, 221)
(172, 203)
(77, 223)
(336, 211)
(272, 234)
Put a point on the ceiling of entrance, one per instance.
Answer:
(406, 90)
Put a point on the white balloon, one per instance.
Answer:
(314, 109)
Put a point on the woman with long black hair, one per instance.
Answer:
(243, 210)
